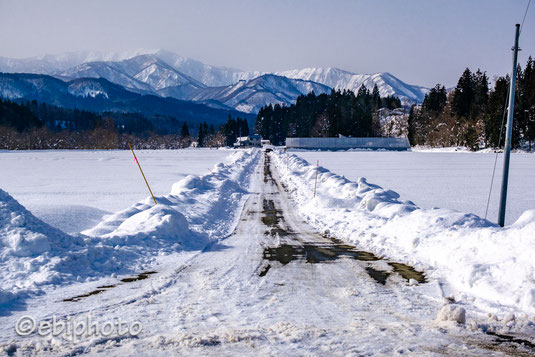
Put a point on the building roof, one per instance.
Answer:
(348, 143)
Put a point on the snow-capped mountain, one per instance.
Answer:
(249, 96)
(22, 86)
(143, 74)
(48, 64)
(340, 79)
(210, 76)
(106, 70)
(148, 73)
(167, 74)
(101, 95)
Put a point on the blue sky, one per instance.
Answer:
(421, 42)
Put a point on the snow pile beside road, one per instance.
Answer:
(24, 235)
(198, 210)
(29, 248)
(474, 259)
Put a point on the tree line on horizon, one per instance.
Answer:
(471, 115)
(33, 125)
(325, 115)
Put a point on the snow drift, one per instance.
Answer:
(197, 206)
(472, 258)
(24, 235)
(29, 249)
(199, 210)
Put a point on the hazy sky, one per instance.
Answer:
(420, 41)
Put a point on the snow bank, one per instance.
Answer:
(24, 235)
(198, 210)
(202, 208)
(474, 259)
(28, 249)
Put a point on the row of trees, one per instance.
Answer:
(33, 125)
(471, 115)
(325, 115)
(98, 138)
(233, 129)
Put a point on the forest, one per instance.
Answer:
(325, 115)
(33, 125)
(473, 115)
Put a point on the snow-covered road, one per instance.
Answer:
(273, 286)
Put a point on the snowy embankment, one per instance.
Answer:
(197, 211)
(472, 258)
(73, 189)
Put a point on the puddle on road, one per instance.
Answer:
(379, 276)
(271, 215)
(315, 253)
(102, 288)
(408, 272)
(267, 168)
(278, 232)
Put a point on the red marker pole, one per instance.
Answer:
(142, 174)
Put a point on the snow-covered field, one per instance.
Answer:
(240, 258)
(455, 180)
(72, 190)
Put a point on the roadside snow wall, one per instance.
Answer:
(477, 260)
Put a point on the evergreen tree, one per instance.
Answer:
(205, 129)
(527, 88)
(376, 98)
(481, 93)
(230, 131)
(411, 130)
(184, 132)
(435, 99)
(18, 116)
(495, 112)
(463, 95)
(202, 134)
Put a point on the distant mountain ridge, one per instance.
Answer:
(101, 95)
(166, 74)
(249, 96)
(142, 74)
(340, 79)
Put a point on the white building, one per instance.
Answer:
(254, 140)
(344, 143)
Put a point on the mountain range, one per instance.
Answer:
(175, 79)
(101, 95)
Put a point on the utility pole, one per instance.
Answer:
(509, 133)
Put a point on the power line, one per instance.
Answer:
(525, 13)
